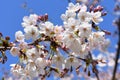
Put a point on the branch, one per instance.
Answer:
(118, 51)
(96, 74)
(89, 60)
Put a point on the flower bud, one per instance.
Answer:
(104, 13)
(7, 38)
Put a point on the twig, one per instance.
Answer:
(96, 74)
(94, 63)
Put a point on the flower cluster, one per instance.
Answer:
(45, 47)
(78, 35)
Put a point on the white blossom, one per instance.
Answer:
(111, 62)
(58, 60)
(32, 54)
(96, 17)
(46, 28)
(71, 24)
(73, 8)
(30, 20)
(68, 15)
(72, 41)
(30, 71)
(84, 16)
(19, 36)
(103, 58)
(23, 45)
(58, 32)
(83, 8)
(84, 30)
(71, 62)
(14, 51)
(16, 70)
(105, 46)
(96, 39)
(40, 62)
(31, 32)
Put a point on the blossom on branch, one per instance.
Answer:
(58, 49)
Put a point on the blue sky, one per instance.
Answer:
(11, 15)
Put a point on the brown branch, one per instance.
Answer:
(97, 76)
(118, 51)
(89, 60)
(96, 73)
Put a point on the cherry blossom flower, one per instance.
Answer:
(84, 30)
(32, 54)
(46, 28)
(73, 8)
(31, 32)
(68, 15)
(105, 46)
(58, 32)
(19, 36)
(72, 41)
(23, 45)
(58, 29)
(71, 62)
(96, 17)
(84, 16)
(30, 71)
(71, 24)
(96, 38)
(40, 61)
(103, 58)
(15, 51)
(30, 20)
(16, 70)
(58, 60)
